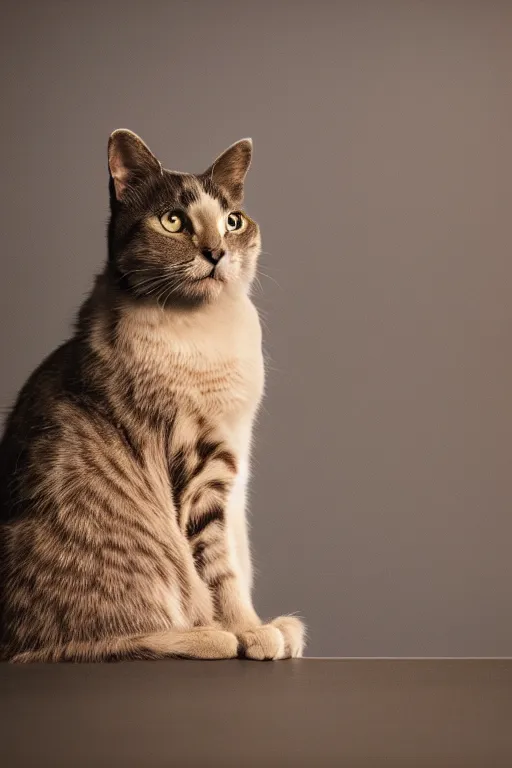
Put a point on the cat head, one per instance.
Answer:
(179, 237)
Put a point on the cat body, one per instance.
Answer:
(125, 461)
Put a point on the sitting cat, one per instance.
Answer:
(124, 463)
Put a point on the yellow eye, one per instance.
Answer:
(172, 222)
(235, 221)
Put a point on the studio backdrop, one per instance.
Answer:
(381, 499)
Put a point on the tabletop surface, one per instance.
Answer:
(309, 712)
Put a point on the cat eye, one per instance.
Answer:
(235, 221)
(173, 221)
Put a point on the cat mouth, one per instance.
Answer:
(215, 274)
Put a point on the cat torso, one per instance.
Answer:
(152, 417)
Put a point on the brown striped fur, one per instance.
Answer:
(124, 462)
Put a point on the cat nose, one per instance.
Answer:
(213, 255)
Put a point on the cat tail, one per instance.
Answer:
(197, 643)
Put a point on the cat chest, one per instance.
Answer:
(220, 386)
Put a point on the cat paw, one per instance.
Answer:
(265, 643)
(213, 643)
(294, 634)
(282, 638)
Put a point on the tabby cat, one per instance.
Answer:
(124, 462)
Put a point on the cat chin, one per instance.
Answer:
(210, 289)
(201, 292)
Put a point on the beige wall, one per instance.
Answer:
(382, 494)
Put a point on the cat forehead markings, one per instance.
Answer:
(205, 211)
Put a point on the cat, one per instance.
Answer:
(125, 459)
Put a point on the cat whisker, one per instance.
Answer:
(269, 277)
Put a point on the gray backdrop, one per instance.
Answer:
(381, 501)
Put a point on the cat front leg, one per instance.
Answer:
(216, 562)
(281, 638)
(216, 558)
(216, 528)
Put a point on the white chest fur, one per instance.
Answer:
(211, 356)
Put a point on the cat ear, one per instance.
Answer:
(129, 160)
(228, 171)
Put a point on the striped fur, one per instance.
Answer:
(124, 461)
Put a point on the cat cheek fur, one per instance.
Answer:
(125, 460)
